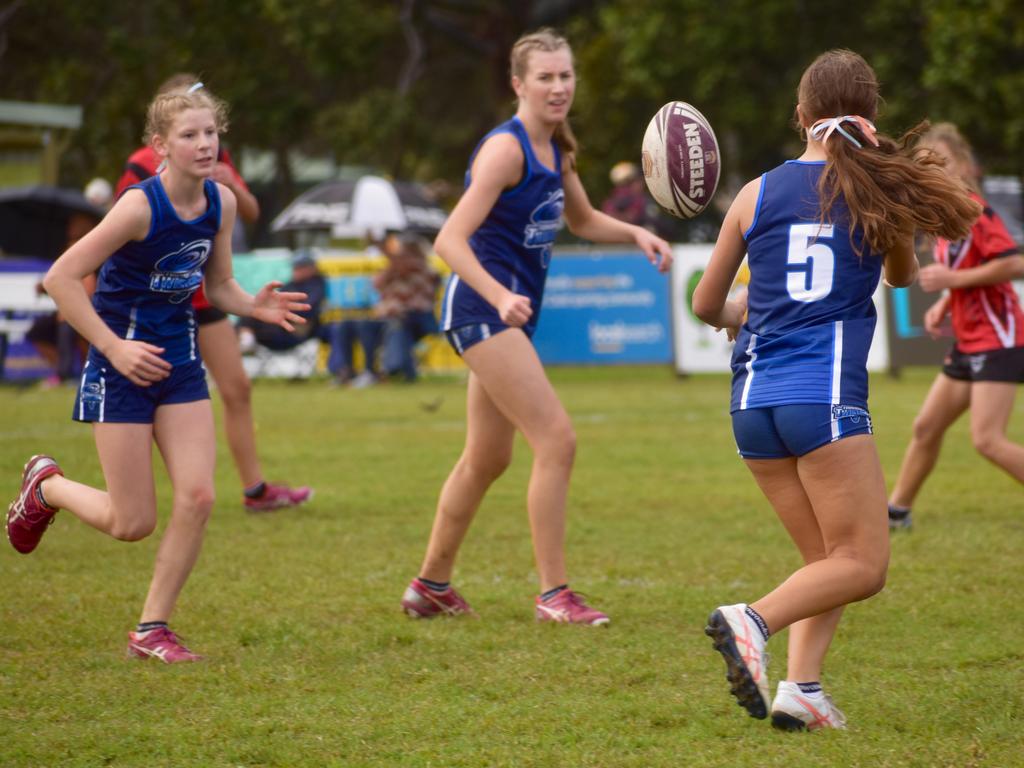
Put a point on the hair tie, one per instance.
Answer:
(823, 128)
(194, 87)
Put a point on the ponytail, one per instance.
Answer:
(894, 188)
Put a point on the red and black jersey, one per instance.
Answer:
(985, 317)
(143, 163)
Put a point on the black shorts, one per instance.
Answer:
(208, 315)
(1006, 365)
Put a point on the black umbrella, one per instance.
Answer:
(351, 208)
(34, 220)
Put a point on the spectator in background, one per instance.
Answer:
(403, 314)
(56, 341)
(408, 289)
(99, 193)
(306, 278)
(628, 201)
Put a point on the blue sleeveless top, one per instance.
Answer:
(514, 242)
(145, 288)
(810, 318)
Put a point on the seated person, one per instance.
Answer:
(403, 314)
(408, 288)
(306, 278)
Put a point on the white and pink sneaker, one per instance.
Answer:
(568, 607)
(421, 602)
(739, 640)
(159, 643)
(794, 710)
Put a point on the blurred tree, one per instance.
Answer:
(409, 86)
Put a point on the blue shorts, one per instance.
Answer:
(107, 396)
(795, 430)
(465, 336)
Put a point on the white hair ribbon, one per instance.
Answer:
(823, 128)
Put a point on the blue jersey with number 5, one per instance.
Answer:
(811, 317)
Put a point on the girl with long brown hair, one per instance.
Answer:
(818, 232)
(521, 181)
(986, 363)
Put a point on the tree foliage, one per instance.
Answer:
(409, 86)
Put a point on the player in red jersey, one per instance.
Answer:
(986, 363)
(218, 343)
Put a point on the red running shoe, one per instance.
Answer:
(27, 517)
(421, 602)
(569, 607)
(159, 643)
(278, 497)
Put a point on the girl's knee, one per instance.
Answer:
(926, 431)
(196, 503)
(486, 469)
(559, 444)
(872, 577)
(133, 529)
(236, 391)
(987, 443)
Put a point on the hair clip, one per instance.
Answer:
(194, 87)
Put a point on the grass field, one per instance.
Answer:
(311, 663)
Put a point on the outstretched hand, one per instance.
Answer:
(279, 307)
(657, 251)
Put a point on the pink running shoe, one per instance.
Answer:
(568, 607)
(27, 517)
(278, 497)
(421, 602)
(159, 643)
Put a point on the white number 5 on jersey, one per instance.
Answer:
(814, 261)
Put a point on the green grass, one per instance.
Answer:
(310, 662)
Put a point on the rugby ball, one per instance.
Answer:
(680, 159)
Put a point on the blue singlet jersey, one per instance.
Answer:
(145, 288)
(514, 242)
(811, 317)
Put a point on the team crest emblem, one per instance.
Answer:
(180, 273)
(977, 363)
(545, 221)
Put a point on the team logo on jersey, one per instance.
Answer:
(180, 273)
(977, 362)
(545, 221)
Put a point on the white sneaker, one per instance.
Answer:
(794, 710)
(246, 341)
(741, 644)
(363, 380)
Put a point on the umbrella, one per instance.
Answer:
(34, 221)
(351, 208)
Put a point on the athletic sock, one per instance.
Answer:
(149, 626)
(897, 512)
(40, 498)
(435, 586)
(545, 596)
(255, 491)
(814, 687)
(760, 622)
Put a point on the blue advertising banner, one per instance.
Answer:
(602, 307)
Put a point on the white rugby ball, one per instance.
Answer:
(681, 160)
